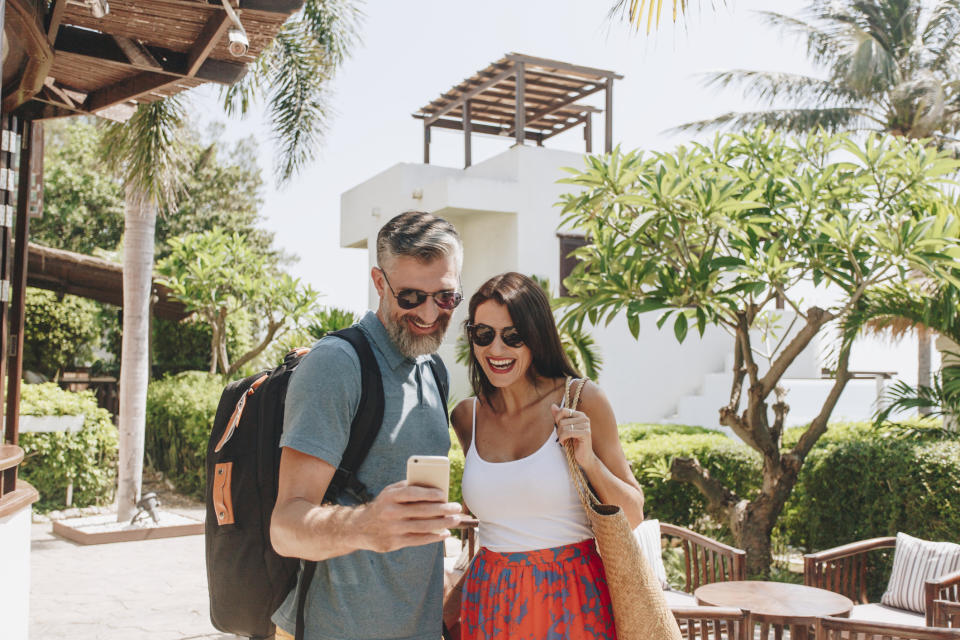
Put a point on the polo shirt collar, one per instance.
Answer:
(378, 333)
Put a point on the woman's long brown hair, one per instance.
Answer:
(530, 312)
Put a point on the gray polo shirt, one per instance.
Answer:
(366, 595)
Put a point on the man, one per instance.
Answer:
(382, 575)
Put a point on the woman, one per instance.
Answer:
(537, 574)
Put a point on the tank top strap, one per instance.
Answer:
(473, 425)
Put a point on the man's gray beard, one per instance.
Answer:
(412, 345)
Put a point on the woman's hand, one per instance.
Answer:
(575, 426)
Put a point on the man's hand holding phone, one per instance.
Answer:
(414, 511)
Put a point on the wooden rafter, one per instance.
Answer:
(212, 32)
(104, 49)
(57, 7)
(126, 90)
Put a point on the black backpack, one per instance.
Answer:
(246, 579)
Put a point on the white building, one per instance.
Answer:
(504, 209)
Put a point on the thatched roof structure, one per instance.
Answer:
(69, 58)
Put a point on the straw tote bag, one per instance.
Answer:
(640, 611)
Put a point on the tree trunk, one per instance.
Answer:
(923, 362)
(140, 215)
(949, 357)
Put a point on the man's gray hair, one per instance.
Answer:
(419, 235)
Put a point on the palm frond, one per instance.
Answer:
(823, 46)
(334, 26)
(769, 86)
(146, 151)
(792, 120)
(636, 12)
(941, 399)
(903, 306)
(298, 99)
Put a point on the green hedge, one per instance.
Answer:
(87, 457)
(180, 412)
(649, 450)
(860, 483)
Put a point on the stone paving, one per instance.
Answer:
(144, 590)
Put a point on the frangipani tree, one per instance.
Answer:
(217, 275)
(717, 234)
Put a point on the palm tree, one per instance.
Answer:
(293, 73)
(890, 66)
(146, 150)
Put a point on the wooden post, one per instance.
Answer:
(426, 143)
(467, 132)
(18, 287)
(520, 121)
(588, 132)
(608, 118)
(7, 201)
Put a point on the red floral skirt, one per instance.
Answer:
(537, 595)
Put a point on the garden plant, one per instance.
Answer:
(727, 232)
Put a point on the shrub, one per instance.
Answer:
(863, 483)
(58, 333)
(88, 457)
(180, 412)
(654, 446)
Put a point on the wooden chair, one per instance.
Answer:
(946, 614)
(843, 570)
(713, 623)
(706, 560)
(847, 629)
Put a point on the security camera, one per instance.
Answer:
(238, 42)
(99, 8)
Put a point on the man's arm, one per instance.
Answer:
(401, 516)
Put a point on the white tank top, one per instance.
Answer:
(524, 504)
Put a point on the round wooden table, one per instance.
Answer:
(776, 603)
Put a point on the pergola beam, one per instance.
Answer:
(433, 117)
(57, 9)
(574, 69)
(212, 32)
(103, 48)
(489, 129)
(128, 89)
(558, 107)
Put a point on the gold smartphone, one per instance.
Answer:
(430, 471)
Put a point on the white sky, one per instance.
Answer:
(413, 50)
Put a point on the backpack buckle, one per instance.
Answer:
(356, 490)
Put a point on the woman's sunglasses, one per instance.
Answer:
(413, 298)
(482, 335)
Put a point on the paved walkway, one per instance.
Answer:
(144, 590)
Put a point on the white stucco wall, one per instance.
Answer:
(15, 586)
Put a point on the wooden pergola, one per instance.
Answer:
(522, 97)
(66, 272)
(103, 58)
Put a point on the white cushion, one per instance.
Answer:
(883, 613)
(647, 534)
(914, 562)
(679, 599)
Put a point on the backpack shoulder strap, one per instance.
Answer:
(366, 423)
(443, 381)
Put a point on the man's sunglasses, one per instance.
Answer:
(413, 298)
(482, 335)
